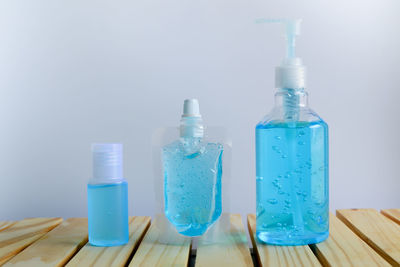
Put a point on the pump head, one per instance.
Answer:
(292, 29)
(291, 73)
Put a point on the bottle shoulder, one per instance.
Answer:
(277, 116)
(188, 148)
(183, 143)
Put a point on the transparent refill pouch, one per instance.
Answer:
(191, 178)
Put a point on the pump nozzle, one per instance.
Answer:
(292, 29)
(291, 72)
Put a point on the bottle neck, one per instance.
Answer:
(291, 101)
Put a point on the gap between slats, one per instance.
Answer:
(192, 252)
(137, 245)
(135, 238)
(393, 214)
(379, 242)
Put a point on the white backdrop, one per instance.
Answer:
(76, 72)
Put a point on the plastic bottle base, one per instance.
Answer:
(108, 243)
(285, 240)
(194, 232)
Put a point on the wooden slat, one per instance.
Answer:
(112, 256)
(162, 249)
(344, 248)
(230, 247)
(56, 247)
(22, 234)
(393, 214)
(381, 233)
(269, 255)
(5, 224)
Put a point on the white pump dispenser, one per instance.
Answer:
(291, 73)
(299, 141)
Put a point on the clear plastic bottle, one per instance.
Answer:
(192, 176)
(292, 162)
(107, 198)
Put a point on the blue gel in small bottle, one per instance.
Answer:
(107, 198)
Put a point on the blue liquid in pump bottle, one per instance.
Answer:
(107, 198)
(292, 160)
(192, 176)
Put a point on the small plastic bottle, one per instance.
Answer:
(192, 176)
(292, 160)
(107, 198)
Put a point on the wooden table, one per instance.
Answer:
(358, 237)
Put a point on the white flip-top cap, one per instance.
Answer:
(107, 162)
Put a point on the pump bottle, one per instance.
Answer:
(107, 198)
(292, 159)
